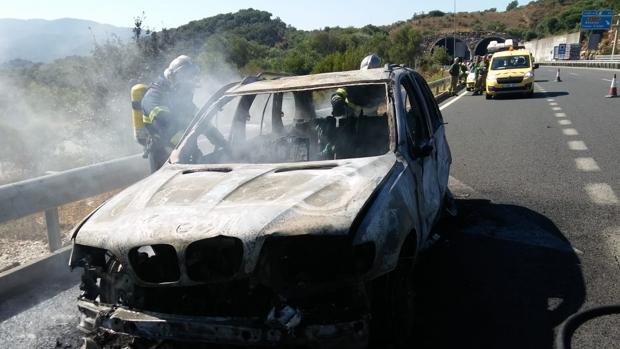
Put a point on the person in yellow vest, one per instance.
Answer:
(168, 108)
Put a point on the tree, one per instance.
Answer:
(440, 55)
(405, 46)
(496, 26)
(137, 26)
(512, 5)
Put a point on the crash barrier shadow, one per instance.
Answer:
(51, 276)
(503, 276)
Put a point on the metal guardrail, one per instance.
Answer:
(439, 85)
(49, 192)
(584, 64)
(607, 57)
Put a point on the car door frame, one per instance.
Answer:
(442, 154)
(416, 163)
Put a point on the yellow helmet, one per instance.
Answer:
(341, 91)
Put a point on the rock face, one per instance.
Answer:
(468, 44)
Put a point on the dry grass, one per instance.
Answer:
(524, 16)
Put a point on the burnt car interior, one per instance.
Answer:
(291, 126)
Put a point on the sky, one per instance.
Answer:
(302, 14)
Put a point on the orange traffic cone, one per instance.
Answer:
(557, 76)
(613, 89)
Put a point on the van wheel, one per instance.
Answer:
(392, 304)
(487, 96)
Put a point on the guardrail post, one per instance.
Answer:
(53, 229)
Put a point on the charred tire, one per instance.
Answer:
(392, 303)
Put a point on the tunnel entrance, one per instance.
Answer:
(448, 43)
(481, 46)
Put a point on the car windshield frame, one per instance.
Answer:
(496, 60)
(209, 114)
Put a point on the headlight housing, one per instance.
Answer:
(528, 75)
(491, 77)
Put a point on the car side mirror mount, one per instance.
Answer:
(422, 151)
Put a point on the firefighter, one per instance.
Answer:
(340, 103)
(455, 70)
(481, 76)
(168, 108)
(463, 76)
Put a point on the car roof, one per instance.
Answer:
(511, 53)
(312, 82)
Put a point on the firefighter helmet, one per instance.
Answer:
(370, 62)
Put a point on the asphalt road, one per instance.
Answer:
(537, 237)
(548, 239)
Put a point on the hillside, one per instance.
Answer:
(39, 40)
(537, 19)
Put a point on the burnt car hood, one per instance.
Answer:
(183, 203)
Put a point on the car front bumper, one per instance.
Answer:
(496, 89)
(219, 330)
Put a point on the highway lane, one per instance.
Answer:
(528, 249)
(556, 154)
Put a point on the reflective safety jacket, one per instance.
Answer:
(167, 112)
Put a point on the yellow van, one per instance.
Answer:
(511, 72)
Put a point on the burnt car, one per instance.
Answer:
(277, 221)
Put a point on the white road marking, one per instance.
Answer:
(564, 122)
(577, 145)
(560, 115)
(452, 101)
(601, 193)
(550, 100)
(608, 80)
(586, 165)
(574, 74)
(553, 103)
(460, 189)
(556, 108)
(570, 132)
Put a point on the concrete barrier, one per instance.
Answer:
(583, 64)
(542, 49)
